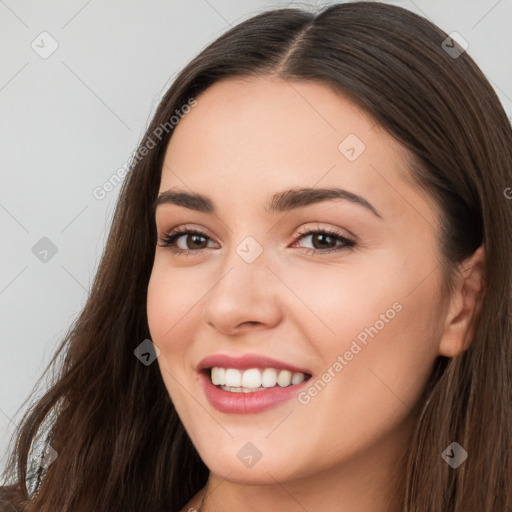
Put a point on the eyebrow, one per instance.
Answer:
(280, 202)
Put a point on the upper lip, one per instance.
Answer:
(247, 361)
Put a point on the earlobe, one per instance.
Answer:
(465, 304)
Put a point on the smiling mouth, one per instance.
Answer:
(253, 379)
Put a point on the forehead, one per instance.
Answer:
(262, 135)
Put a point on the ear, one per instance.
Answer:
(464, 305)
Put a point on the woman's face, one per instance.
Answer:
(271, 275)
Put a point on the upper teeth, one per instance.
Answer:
(254, 377)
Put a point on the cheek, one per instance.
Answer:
(378, 361)
(380, 322)
(169, 303)
(171, 298)
(175, 297)
(363, 298)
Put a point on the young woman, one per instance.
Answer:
(305, 299)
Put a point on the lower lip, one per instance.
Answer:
(247, 403)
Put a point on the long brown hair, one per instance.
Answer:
(120, 444)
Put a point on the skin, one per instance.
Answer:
(243, 142)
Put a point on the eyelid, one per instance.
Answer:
(169, 238)
(303, 230)
(318, 227)
(187, 227)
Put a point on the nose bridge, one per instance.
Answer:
(243, 272)
(244, 291)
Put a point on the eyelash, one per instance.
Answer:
(168, 240)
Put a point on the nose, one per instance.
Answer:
(245, 296)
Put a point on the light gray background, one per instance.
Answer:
(68, 122)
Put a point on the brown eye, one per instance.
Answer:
(185, 241)
(325, 241)
(193, 241)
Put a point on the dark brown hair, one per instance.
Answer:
(121, 446)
